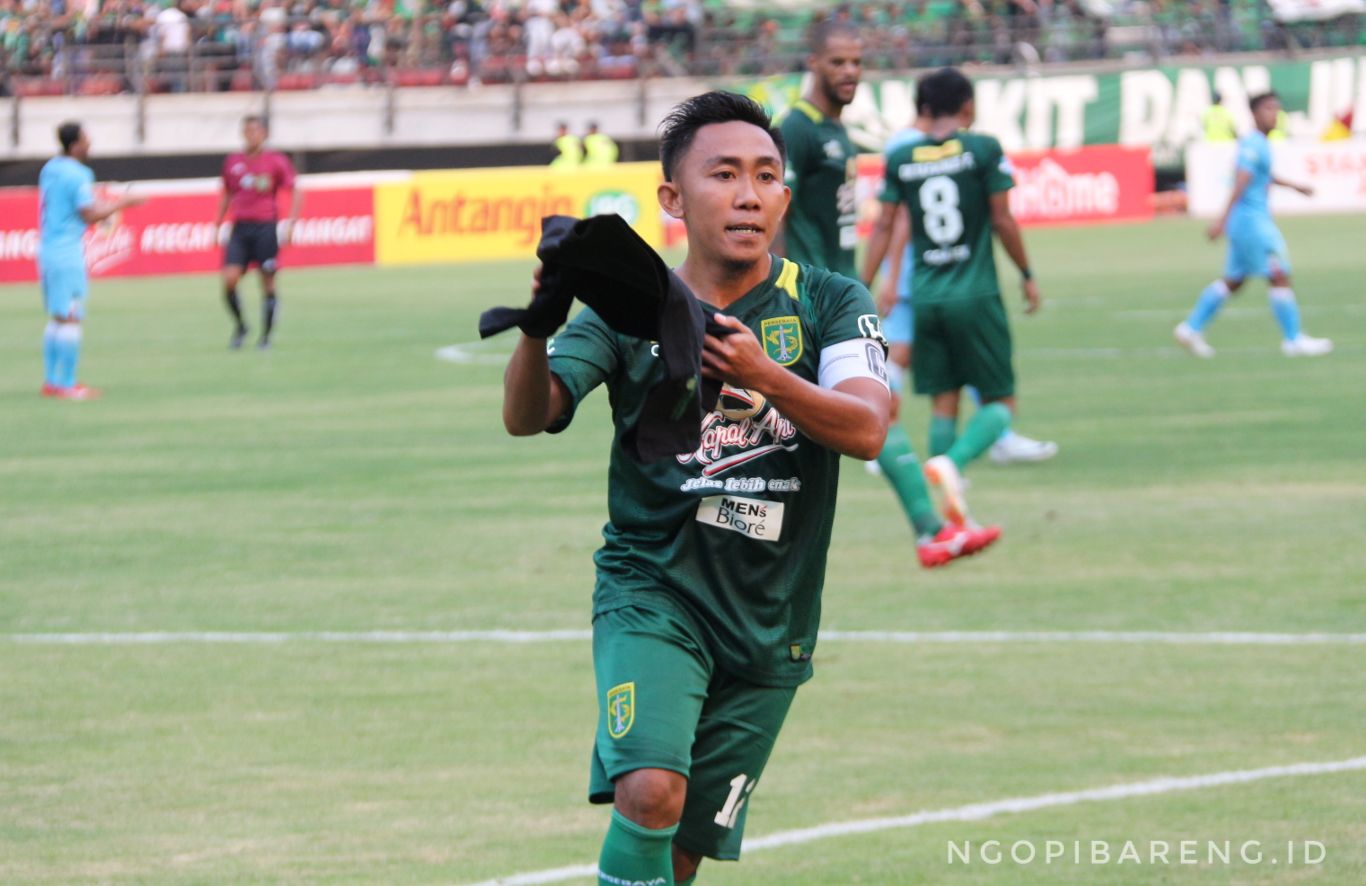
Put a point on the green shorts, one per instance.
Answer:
(662, 704)
(962, 342)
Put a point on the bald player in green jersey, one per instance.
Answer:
(955, 183)
(820, 157)
(708, 591)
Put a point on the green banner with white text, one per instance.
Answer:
(1159, 108)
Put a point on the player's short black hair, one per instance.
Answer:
(920, 107)
(68, 134)
(1257, 100)
(943, 93)
(679, 128)
(258, 119)
(823, 31)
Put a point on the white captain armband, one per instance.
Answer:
(855, 358)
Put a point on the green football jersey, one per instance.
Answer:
(822, 219)
(948, 183)
(733, 534)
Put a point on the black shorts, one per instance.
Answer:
(253, 242)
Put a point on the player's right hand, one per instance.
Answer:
(1031, 296)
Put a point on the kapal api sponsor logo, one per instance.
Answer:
(727, 444)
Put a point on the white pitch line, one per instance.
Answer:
(469, 353)
(157, 638)
(982, 811)
(247, 638)
(1215, 638)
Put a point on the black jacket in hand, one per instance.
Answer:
(607, 266)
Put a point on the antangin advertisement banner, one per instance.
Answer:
(493, 214)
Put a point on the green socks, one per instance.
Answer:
(943, 433)
(633, 853)
(986, 427)
(902, 469)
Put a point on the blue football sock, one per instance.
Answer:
(1207, 305)
(1286, 311)
(50, 353)
(67, 346)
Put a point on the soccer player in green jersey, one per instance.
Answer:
(954, 183)
(820, 157)
(820, 230)
(708, 590)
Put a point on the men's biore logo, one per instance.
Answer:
(754, 518)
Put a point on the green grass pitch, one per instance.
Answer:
(349, 480)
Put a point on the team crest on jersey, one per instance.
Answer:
(621, 709)
(782, 339)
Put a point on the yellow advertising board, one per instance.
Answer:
(487, 214)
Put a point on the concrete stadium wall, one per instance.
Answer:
(349, 117)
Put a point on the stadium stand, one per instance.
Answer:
(103, 47)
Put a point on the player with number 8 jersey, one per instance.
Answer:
(954, 184)
(946, 182)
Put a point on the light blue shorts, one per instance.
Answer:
(899, 327)
(65, 285)
(1256, 248)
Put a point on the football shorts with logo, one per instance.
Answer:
(1256, 247)
(963, 342)
(663, 704)
(65, 286)
(253, 243)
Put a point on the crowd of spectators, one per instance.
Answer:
(106, 46)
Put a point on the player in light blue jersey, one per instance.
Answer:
(66, 207)
(1255, 245)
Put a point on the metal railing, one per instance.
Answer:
(430, 52)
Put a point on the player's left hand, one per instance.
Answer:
(1031, 296)
(286, 233)
(736, 359)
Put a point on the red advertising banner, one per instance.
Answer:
(174, 234)
(1094, 183)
